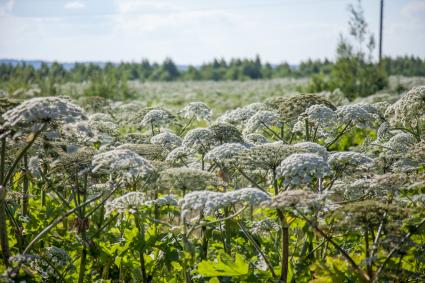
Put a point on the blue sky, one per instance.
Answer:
(195, 31)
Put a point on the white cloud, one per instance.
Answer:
(6, 8)
(74, 5)
(143, 6)
(414, 10)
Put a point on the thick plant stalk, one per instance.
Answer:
(4, 243)
(186, 248)
(141, 254)
(307, 130)
(257, 248)
(83, 259)
(285, 247)
(3, 227)
(204, 249)
(285, 236)
(25, 188)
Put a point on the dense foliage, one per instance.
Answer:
(301, 188)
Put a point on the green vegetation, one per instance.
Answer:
(301, 188)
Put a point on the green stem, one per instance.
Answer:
(285, 235)
(285, 246)
(25, 188)
(307, 130)
(4, 243)
(257, 248)
(3, 228)
(141, 230)
(83, 259)
(21, 154)
(328, 145)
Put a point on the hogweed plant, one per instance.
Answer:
(291, 189)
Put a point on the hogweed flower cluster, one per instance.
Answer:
(408, 111)
(355, 114)
(299, 199)
(255, 139)
(197, 110)
(130, 202)
(167, 139)
(349, 160)
(261, 120)
(237, 116)
(41, 110)
(188, 179)
(266, 156)
(54, 260)
(208, 201)
(180, 156)
(200, 139)
(312, 147)
(225, 153)
(301, 168)
(320, 116)
(156, 118)
(122, 162)
(401, 142)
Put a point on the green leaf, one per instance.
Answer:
(224, 266)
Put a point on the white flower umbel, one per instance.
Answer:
(349, 160)
(122, 162)
(255, 139)
(52, 261)
(201, 201)
(261, 120)
(79, 132)
(130, 202)
(312, 147)
(180, 156)
(197, 110)
(409, 110)
(299, 199)
(156, 118)
(224, 153)
(251, 196)
(169, 200)
(208, 202)
(41, 110)
(301, 168)
(236, 116)
(264, 227)
(102, 117)
(401, 142)
(355, 114)
(266, 156)
(167, 139)
(320, 115)
(199, 139)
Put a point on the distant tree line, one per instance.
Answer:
(110, 80)
(217, 70)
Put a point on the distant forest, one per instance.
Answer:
(217, 70)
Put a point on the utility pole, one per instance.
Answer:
(381, 24)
